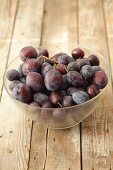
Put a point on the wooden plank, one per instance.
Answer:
(63, 26)
(96, 130)
(62, 146)
(15, 128)
(107, 10)
(7, 19)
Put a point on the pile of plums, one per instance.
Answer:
(59, 81)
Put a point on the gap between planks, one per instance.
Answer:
(46, 148)
(30, 144)
(33, 121)
(80, 125)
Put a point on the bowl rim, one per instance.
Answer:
(62, 108)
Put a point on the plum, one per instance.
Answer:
(81, 62)
(65, 59)
(35, 81)
(77, 53)
(65, 84)
(31, 65)
(80, 97)
(72, 90)
(13, 75)
(55, 98)
(67, 101)
(61, 68)
(100, 79)
(22, 93)
(43, 52)
(92, 91)
(86, 71)
(41, 98)
(74, 78)
(53, 80)
(73, 66)
(93, 59)
(28, 52)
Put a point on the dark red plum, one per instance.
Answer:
(28, 52)
(13, 75)
(53, 80)
(74, 78)
(43, 52)
(100, 79)
(22, 93)
(61, 68)
(92, 91)
(35, 81)
(77, 53)
(55, 98)
(80, 97)
(94, 61)
(31, 65)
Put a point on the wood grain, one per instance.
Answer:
(15, 128)
(62, 146)
(60, 22)
(96, 129)
(107, 10)
(7, 21)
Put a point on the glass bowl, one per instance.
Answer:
(59, 118)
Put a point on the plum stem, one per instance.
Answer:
(65, 68)
(47, 59)
(60, 104)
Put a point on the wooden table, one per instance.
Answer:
(25, 145)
